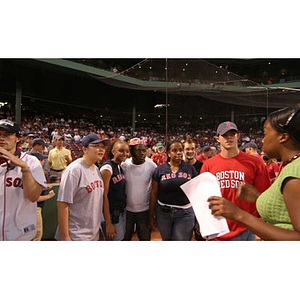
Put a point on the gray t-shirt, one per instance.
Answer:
(82, 187)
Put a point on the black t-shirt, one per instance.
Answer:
(169, 191)
(198, 165)
(116, 193)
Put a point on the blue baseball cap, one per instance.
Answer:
(94, 139)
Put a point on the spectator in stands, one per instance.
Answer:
(251, 148)
(80, 195)
(160, 156)
(279, 205)
(52, 145)
(77, 137)
(59, 157)
(27, 146)
(138, 171)
(45, 195)
(22, 181)
(114, 208)
(54, 134)
(232, 168)
(68, 137)
(174, 213)
(271, 165)
(38, 146)
(205, 154)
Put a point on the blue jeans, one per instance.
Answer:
(247, 235)
(120, 227)
(141, 220)
(175, 224)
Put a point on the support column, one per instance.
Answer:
(133, 120)
(18, 100)
(232, 115)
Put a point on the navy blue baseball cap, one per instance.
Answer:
(94, 139)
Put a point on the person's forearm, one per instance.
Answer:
(106, 211)
(267, 231)
(32, 189)
(63, 220)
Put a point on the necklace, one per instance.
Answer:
(291, 159)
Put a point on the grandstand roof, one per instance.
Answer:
(101, 83)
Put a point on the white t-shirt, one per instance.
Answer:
(82, 187)
(17, 213)
(138, 184)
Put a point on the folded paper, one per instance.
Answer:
(198, 190)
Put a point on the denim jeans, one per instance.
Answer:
(120, 227)
(175, 224)
(247, 235)
(141, 220)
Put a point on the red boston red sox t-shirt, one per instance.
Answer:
(230, 173)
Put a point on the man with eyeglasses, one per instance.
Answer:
(80, 195)
(22, 181)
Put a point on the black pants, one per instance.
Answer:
(141, 220)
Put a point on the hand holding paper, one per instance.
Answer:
(198, 190)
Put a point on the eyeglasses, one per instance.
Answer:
(290, 119)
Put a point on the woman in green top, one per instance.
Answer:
(279, 205)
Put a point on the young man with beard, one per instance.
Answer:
(138, 172)
(189, 151)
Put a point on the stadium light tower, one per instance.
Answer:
(166, 105)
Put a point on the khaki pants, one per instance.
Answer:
(39, 225)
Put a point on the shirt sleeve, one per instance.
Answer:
(262, 178)
(37, 171)
(107, 167)
(68, 186)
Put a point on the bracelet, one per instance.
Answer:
(26, 170)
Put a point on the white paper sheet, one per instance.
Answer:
(198, 190)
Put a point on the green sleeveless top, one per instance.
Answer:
(270, 204)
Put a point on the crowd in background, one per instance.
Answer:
(74, 128)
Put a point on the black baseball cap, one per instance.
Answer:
(206, 149)
(248, 145)
(10, 126)
(93, 139)
(39, 155)
(39, 142)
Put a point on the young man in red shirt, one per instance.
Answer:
(233, 167)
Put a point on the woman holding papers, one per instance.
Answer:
(173, 212)
(279, 205)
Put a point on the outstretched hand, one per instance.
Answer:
(247, 192)
(222, 207)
